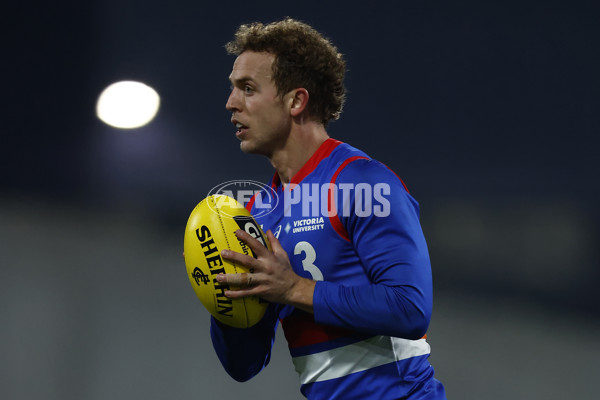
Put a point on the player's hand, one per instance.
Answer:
(272, 277)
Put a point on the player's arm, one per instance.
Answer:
(244, 352)
(394, 254)
(392, 249)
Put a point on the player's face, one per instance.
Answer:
(260, 115)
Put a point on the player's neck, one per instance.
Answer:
(301, 144)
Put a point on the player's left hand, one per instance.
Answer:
(272, 277)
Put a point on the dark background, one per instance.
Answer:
(489, 111)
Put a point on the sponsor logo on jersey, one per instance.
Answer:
(308, 224)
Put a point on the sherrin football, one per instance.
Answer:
(210, 229)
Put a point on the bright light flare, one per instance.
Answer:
(127, 104)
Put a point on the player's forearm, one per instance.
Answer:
(378, 309)
(301, 295)
(244, 352)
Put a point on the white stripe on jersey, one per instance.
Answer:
(356, 357)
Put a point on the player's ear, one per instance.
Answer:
(298, 101)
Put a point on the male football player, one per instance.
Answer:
(349, 275)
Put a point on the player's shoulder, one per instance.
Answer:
(352, 163)
(352, 157)
(345, 151)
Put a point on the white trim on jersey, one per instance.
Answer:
(356, 357)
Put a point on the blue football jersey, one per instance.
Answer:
(349, 223)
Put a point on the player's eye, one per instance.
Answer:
(248, 89)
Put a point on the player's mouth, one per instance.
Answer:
(241, 128)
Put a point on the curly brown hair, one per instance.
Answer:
(303, 58)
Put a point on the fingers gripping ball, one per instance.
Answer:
(210, 229)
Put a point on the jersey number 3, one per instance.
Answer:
(309, 258)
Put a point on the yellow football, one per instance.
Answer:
(210, 229)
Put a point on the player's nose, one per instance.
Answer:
(233, 102)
